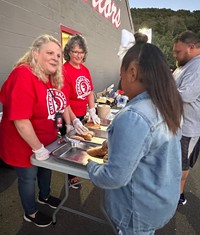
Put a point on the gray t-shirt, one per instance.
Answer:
(188, 83)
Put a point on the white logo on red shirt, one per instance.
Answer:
(83, 87)
(56, 102)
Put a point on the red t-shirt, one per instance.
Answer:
(24, 96)
(78, 83)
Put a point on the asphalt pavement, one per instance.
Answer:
(87, 199)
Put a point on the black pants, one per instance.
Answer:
(195, 153)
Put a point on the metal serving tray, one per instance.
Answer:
(75, 152)
(105, 122)
(98, 134)
(101, 133)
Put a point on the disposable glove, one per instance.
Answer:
(93, 117)
(41, 154)
(79, 128)
(69, 128)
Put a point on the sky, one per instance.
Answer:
(191, 5)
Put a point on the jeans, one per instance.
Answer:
(129, 231)
(26, 186)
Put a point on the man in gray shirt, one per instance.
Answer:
(186, 50)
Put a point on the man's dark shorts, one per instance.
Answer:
(185, 143)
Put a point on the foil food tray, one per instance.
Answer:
(75, 153)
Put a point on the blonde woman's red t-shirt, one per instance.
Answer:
(24, 96)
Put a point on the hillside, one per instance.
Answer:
(166, 24)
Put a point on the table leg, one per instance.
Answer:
(63, 200)
(72, 210)
(109, 221)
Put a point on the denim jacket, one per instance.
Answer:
(141, 179)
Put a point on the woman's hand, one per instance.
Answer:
(79, 127)
(41, 154)
(93, 117)
(69, 128)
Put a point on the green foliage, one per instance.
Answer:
(165, 24)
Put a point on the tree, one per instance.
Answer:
(166, 24)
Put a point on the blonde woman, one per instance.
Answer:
(32, 100)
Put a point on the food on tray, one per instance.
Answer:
(91, 133)
(92, 125)
(88, 136)
(99, 151)
(76, 137)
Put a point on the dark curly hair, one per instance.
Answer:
(75, 40)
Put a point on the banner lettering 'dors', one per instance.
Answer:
(108, 9)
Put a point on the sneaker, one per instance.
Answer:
(74, 183)
(40, 220)
(182, 200)
(51, 201)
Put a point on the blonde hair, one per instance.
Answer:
(28, 59)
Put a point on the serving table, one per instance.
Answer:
(66, 168)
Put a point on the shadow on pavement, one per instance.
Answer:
(7, 176)
(184, 222)
(86, 200)
(168, 229)
(191, 211)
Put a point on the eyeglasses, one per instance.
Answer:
(78, 53)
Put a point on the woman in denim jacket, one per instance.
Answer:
(141, 179)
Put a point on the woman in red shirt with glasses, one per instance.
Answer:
(79, 85)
